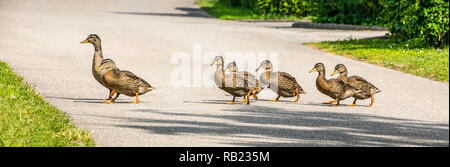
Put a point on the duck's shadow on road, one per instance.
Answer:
(88, 100)
(252, 101)
(332, 105)
(207, 101)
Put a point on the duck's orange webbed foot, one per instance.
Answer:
(371, 100)
(232, 102)
(243, 100)
(111, 94)
(137, 99)
(298, 96)
(254, 95)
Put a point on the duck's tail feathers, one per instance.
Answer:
(375, 90)
(150, 88)
(301, 91)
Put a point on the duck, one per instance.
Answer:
(251, 79)
(123, 82)
(97, 60)
(367, 89)
(235, 86)
(282, 83)
(334, 88)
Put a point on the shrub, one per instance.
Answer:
(272, 7)
(249, 4)
(422, 20)
(357, 12)
(284, 7)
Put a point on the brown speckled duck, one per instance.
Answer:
(98, 58)
(367, 89)
(250, 78)
(334, 88)
(235, 86)
(123, 82)
(280, 82)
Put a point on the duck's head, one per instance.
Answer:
(340, 68)
(266, 64)
(318, 67)
(231, 67)
(92, 38)
(218, 60)
(107, 64)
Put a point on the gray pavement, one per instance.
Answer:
(40, 40)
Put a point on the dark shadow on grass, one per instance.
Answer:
(249, 124)
(189, 12)
(376, 37)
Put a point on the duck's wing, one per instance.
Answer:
(249, 78)
(338, 85)
(288, 80)
(236, 81)
(361, 83)
(357, 78)
(129, 78)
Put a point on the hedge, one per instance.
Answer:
(277, 7)
(425, 21)
(355, 12)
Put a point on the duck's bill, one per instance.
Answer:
(313, 70)
(214, 63)
(85, 41)
(99, 68)
(335, 72)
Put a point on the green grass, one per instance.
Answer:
(224, 12)
(27, 120)
(408, 57)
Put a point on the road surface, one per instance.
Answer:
(41, 42)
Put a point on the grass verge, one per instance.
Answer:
(408, 57)
(221, 11)
(27, 120)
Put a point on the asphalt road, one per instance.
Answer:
(41, 41)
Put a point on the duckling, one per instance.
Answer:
(367, 89)
(334, 88)
(123, 82)
(236, 86)
(98, 58)
(281, 83)
(251, 79)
